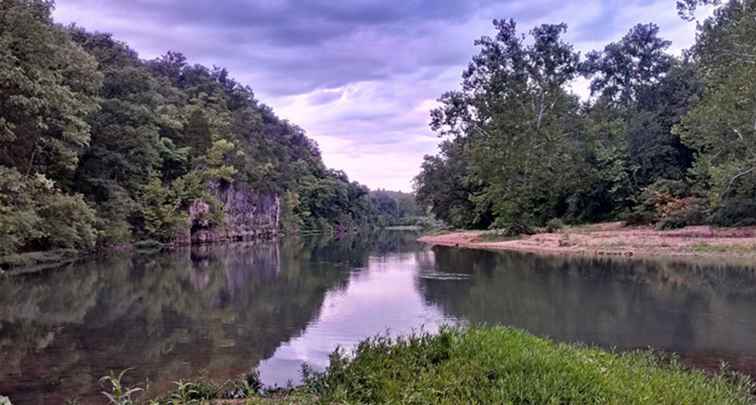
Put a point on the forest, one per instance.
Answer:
(99, 148)
(662, 140)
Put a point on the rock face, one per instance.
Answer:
(247, 215)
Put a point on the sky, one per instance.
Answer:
(359, 76)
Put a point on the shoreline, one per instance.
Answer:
(614, 240)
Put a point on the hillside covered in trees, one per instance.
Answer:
(663, 139)
(99, 147)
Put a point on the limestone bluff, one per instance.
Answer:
(246, 215)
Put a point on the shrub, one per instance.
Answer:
(669, 204)
(36, 215)
(517, 229)
(68, 222)
(554, 225)
(735, 212)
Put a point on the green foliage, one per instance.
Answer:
(119, 148)
(655, 119)
(554, 225)
(48, 87)
(669, 204)
(35, 212)
(501, 365)
(162, 217)
(394, 208)
(117, 392)
(721, 128)
(446, 186)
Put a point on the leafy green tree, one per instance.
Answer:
(48, 86)
(721, 128)
(36, 214)
(626, 70)
(446, 186)
(520, 121)
(642, 92)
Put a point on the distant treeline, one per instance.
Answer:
(396, 208)
(99, 147)
(663, 139)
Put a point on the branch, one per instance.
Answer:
(732, 180)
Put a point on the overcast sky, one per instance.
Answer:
(359, 76)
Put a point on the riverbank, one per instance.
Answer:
(614, 239)
(484, 365)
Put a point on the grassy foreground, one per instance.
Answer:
(486, 365)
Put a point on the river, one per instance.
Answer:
(219, 311)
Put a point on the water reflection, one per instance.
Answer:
(705, 313)
(219, 311)
(216, 310)
(380, 299)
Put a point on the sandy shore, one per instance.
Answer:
(614, 239)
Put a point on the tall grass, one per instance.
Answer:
(486, 365)
(477, 365)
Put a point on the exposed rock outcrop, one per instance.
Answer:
(247, 215)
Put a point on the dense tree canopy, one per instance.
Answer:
(664, 139)
(98, 146)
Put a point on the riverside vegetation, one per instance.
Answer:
(474, 365)
(99, 148)
(663, 139)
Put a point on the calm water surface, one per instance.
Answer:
(220, 311)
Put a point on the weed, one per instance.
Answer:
(119, 394)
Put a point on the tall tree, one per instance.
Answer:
(627, 70)
(721, 128)
(48, 86)
(519, 119)
(649, 91)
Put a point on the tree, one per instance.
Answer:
(648, 91)
(721, 128)
(36, 214)
(626, 70)
(446, 186)
(519, 121)
(48, 86)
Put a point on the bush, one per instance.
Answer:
(500, 365)
(36, 215)
(735, 212)
(517, 229)
(554, 225)
(68, 222)
(669, 204)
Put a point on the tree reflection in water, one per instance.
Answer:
(220, 310)
(703, 312)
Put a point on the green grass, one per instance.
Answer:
(498, 365)
(478, 365)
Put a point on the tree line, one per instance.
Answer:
(664, 139)
(99, 147)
